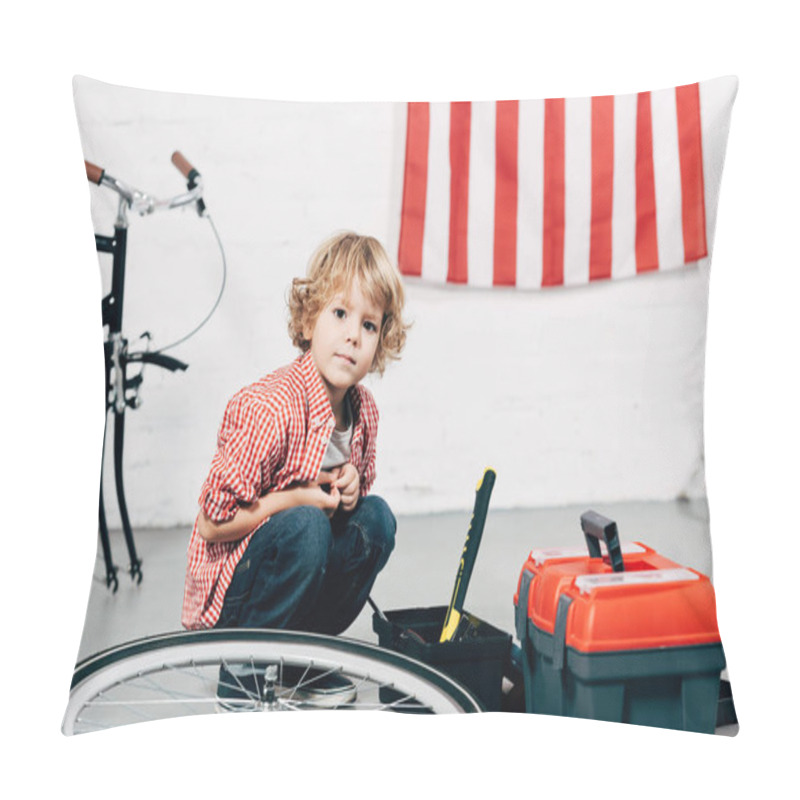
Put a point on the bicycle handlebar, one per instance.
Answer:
(144, 203)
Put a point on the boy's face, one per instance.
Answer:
(344, 339)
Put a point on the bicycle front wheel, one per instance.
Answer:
(178, 674)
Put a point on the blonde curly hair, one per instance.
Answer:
(337, 262)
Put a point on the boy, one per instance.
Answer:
(287, 535)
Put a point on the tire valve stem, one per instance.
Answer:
(270, 678)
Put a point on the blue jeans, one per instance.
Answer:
(304, 571)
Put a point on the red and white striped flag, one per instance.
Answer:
(538, 193)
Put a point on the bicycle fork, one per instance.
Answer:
(122, 392)
(115, 385)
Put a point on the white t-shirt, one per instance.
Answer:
(338, 451)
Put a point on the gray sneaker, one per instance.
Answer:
(246, 690)
(316, 688)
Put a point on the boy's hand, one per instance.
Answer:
(313, 494)
(348, 484)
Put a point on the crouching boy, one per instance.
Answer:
(287, 535)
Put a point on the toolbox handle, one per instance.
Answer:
(596, 527)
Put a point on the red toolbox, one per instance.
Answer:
(625, 636)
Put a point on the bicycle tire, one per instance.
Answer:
(176, 674)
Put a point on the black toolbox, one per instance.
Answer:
(477, 661)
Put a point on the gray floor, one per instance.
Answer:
(421, 571)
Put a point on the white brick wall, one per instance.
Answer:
(573, 395)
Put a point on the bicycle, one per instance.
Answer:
(122, 391)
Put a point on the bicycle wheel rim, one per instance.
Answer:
(174, 675)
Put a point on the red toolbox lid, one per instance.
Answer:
(653, 603)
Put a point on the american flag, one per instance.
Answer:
(540, 193)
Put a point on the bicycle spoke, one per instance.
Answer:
(295, 688)
(98, 726)
(240, 685)
(194, 672)
(179, 698)
(148, 702)
(128, 707)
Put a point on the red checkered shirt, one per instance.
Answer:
(274, 433)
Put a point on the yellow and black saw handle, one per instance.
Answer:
(482, 494)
